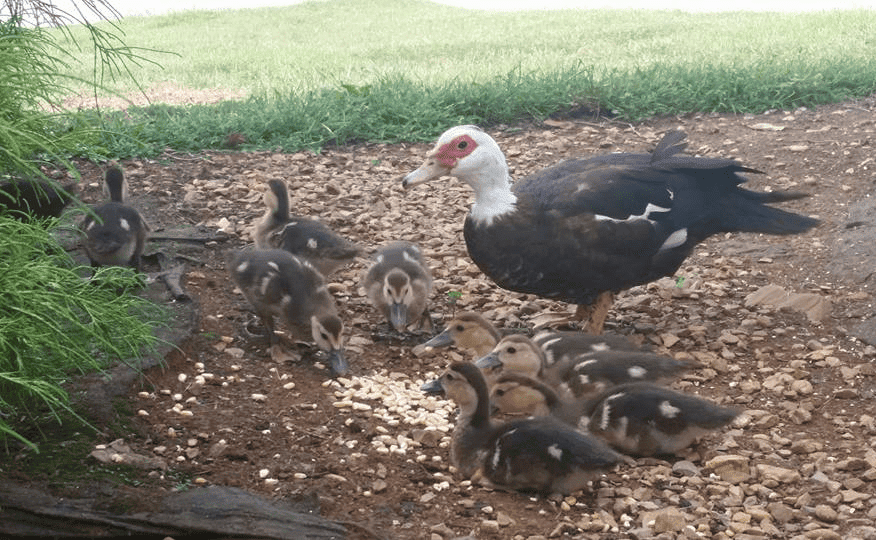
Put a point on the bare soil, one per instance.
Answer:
(808, 385)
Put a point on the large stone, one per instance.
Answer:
(730, 468)
(815, 306)
(771, 473)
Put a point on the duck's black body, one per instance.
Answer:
(592, 373)
(571, 235)
(589, 227)
(24, 199)
(646, 419)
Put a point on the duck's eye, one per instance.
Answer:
(459, 328)
(324, 336)
(500, 392)
(462, 145)
(511, 350)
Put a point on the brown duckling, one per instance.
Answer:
(398, 284)
(645, 419)
(26, 199)
(301, 236)
(470, 330)
(517, 353)
(467, 330)
(533, 454)
(515, 393)
(279, 284)
(117, 235)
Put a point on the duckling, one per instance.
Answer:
(514, 353)
(25, 199)
(280, 284)
(301, 236)
(533, 454)
(470, 330)
(591, 373)
(467, 330)
(515, 393)
(559, 346)
(645, 419)
(398, 284)
(117, 236)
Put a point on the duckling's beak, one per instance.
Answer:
(489, 362)
(338, 363)
(433, 387)
(398, 316)
(429, 170)
(441, 340)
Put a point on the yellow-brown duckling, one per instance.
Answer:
(279, 284)
(469, 331)
(116, 234)
(533, 454)
(301, 236)
(398, 284)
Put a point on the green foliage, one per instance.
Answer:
(54, 323)
(320, 73)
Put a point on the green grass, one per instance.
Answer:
(352, 70)
(55, 324)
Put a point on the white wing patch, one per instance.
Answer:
(637, 372)
(555, 452)
(123, 223)
(274, 265)
(646, 215)
(668, 409)
(675, 239)
(241, 268)
(410, 258)
(312, 243)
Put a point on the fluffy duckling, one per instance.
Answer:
(515, 393)
(118, 234)
(645, 419)
(472, 331)
(584, 229)
(590, 374)
(279, 284)
(25, 199)
(398, 284)
(534, 454)
(515, 353)
(301, 236)
(467, 330)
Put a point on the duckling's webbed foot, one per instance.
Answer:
(282, 355)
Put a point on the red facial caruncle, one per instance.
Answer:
(449, 154)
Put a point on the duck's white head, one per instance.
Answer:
(469, 154)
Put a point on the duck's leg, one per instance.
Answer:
(593, 316)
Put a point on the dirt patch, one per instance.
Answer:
(220, 412)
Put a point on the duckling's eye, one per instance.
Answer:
(462, 145)
(500, 392)
(511, 350)
(324, 336)
(459, 328)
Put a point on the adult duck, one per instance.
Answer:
(584, 229)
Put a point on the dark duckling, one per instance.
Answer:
(116, 234)
(279, 284)
(534, 454)
(301, 236)
(398, 284)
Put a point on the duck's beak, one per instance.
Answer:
(429, 170)
(398, 316)
(489, 362)
(338, 363)
(433, 387)
(441, 340)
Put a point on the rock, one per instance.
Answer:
(730, 468)
(781, 512)
(490, 526)
(504, 519)
(666, 520)
(685, 468)
(772, 474)
(825, 513)
(815, 306)
(822, 534)
(806, 446)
